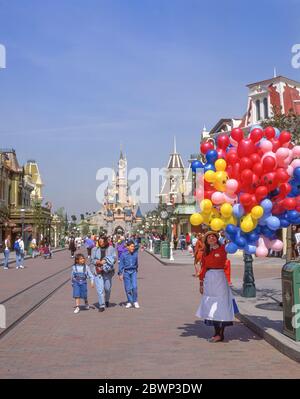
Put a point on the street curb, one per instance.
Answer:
(279, 341)
(162, 262)
(30, 257)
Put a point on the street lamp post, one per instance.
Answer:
(249, 289)
(22, 221)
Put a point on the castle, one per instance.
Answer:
(119, 212)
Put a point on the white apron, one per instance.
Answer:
(217, 301)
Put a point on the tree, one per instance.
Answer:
(289, 121)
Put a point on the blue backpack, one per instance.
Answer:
(17, 247)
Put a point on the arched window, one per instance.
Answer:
(257, 104)
(266, 109)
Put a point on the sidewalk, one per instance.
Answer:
(12, 256)
(262, 314)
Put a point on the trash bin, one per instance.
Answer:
(157, 246)
(290, 276)
(165, 249)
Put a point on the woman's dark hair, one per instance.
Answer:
(77, 257)
(130, 242)
(105, 239)
(206, 245)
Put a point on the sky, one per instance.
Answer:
(83, 76)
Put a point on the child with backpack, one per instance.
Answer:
(80, 273)
(19, 251)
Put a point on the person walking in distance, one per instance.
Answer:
(20, 252)
(103, 259)
(72, 246)
(128, 269)
(7, 245)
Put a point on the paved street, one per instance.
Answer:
(162, 339)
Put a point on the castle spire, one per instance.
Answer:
(175, 150)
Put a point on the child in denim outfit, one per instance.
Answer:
(80, 273)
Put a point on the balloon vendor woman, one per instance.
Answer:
(217, 306)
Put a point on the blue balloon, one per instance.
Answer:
(296, 174)
(250, 249)
(252, 237)
(292, 216)
(231, 230)
(274, 193)
(277, 132)
(240, 242)
(209, 166)
(255, 127)
(196, 165)
(267, 206)
(231, 248)
(284, 223)
(211, 156)
(238, 210)
(273, 223)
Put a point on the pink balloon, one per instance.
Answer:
(290, 170)
(295, 163)
(296, 151)
(217, 198)
(231, 198)
(276, 245)
(266, 145)
(231, 186)
(261, 250)
(282, 153)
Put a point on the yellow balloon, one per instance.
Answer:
(206, 218)
(196, 219)
(220, 180)
(247, 224)
(206, 205)
(217, 224)
(226, 210)
(209, 176)
(220, 165)
(230, 220)
(257, 212)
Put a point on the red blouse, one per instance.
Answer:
(216, 259)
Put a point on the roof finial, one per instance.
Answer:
(275, 72)
(175, 150)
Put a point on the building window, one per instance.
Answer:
(266, 110)
(257, 104)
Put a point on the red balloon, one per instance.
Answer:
(231, 157)
(289, 203)
(256, 134)
(246, 176)
(284, 137)
(276, 144)
(206, 146)
(270, 181)
(260, 193)
(255, 158)
(208, 194)
(268, 164)
(221, 153)
(245, 148)
(236, 171)
(245, 199)
(223, 141)
(258, 168)
(245, 163)
(269, 132)
(237, 134)
(282, 175)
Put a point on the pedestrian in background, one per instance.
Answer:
(20, 252)
(128, 269)
(72, 246)
(7, 245)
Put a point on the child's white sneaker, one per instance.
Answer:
(128, 305)
(136, 305)
(21, 267)
(87, 307)
(77, 309)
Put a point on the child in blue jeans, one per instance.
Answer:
(80, 273)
